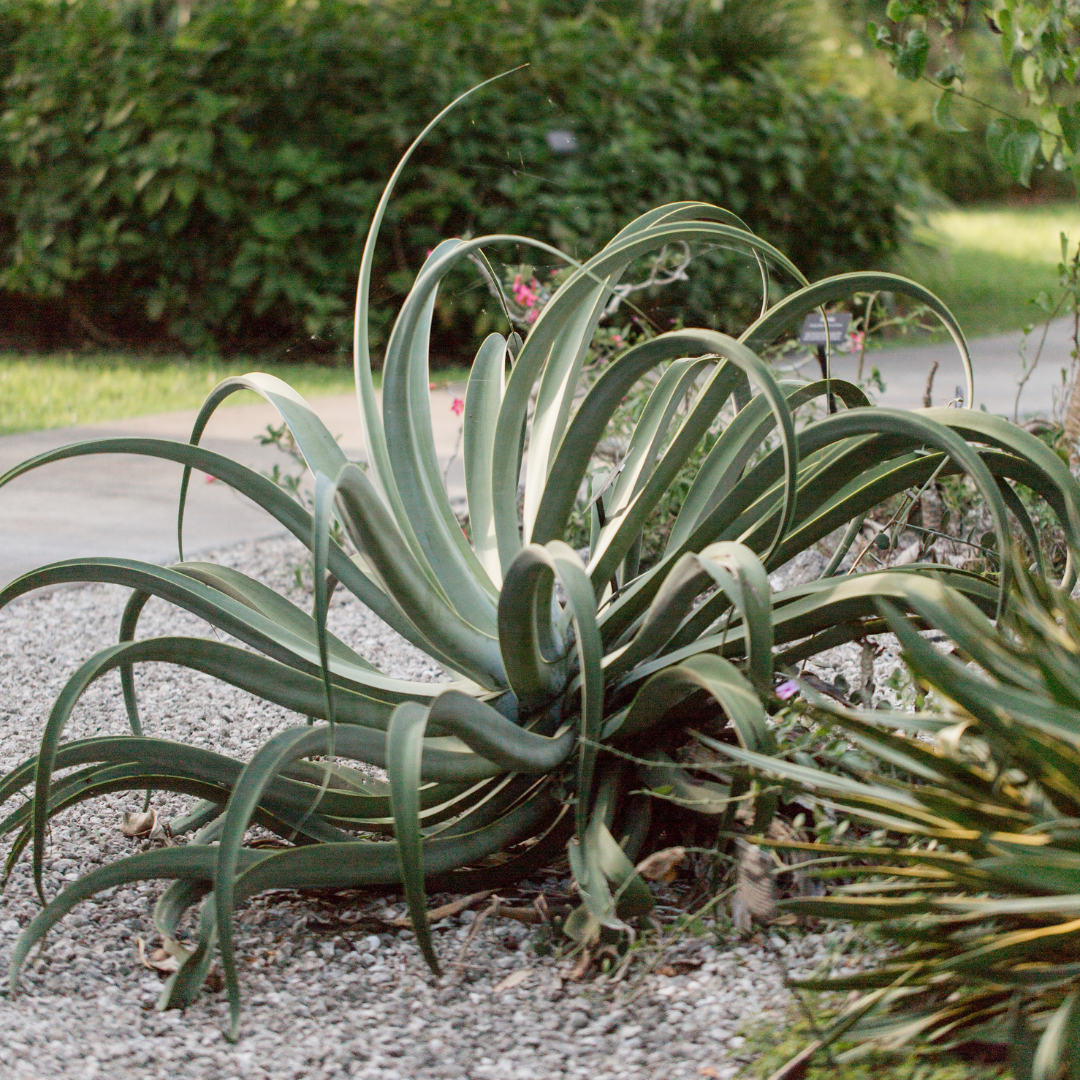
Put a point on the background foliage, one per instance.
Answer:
(1023, 51)
(209, 184)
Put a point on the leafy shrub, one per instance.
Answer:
(206, 182)
(499, 771)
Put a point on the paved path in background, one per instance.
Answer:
(996, 362)
(125, 506)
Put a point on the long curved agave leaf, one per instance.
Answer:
(483, 398)
(318, 446)
(717, 677)
(361, 741)
(835, 604)
(326, 865)
(532, 647)
(223, 611)
(409, 323)
(586, 429)
(262, 491)
(742, 584)
(790, 311)
(183, 986)
(723, 465)
(378, 456)
(543, 339)
(727, 520)
(363, 863)
(404, 748)
(616, 538)
(189, 861)
(375, 535)
(277, 751)
(650, 433)
(599, 862)
(582, 607)
(411, 446)
(561, 370)
(273, 605)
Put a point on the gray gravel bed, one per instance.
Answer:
(323, 996)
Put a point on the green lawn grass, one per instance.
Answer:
(987, 263)
(59, 391)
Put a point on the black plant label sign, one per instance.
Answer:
(813, 329)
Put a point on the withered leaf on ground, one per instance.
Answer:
(139, 824)
(446, 910)
(662, 865)
(515, 978)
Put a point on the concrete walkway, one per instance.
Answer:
(996, 362)
(125, 506)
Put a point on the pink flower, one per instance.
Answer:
(855, 340)
(530, 315)
(457, 406)
(617, 338)
(787, 689)
(525, 296)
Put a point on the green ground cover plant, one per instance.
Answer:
(573, 683)
(773, 1046)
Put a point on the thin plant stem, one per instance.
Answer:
(1029, 371)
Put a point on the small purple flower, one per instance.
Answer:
(787, 690)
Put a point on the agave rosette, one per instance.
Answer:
(548, 662)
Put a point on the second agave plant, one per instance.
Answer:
(551, 659)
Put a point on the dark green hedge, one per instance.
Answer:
(211, 185)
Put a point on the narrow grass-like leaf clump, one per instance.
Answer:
(974, 872)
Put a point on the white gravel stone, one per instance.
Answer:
(318, 1005)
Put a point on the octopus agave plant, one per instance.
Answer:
(553, 660)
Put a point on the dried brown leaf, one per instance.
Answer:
(515, 978)
(158, 960)
(521, 914)
(662, 865)
(139, 824)
(446, 910)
